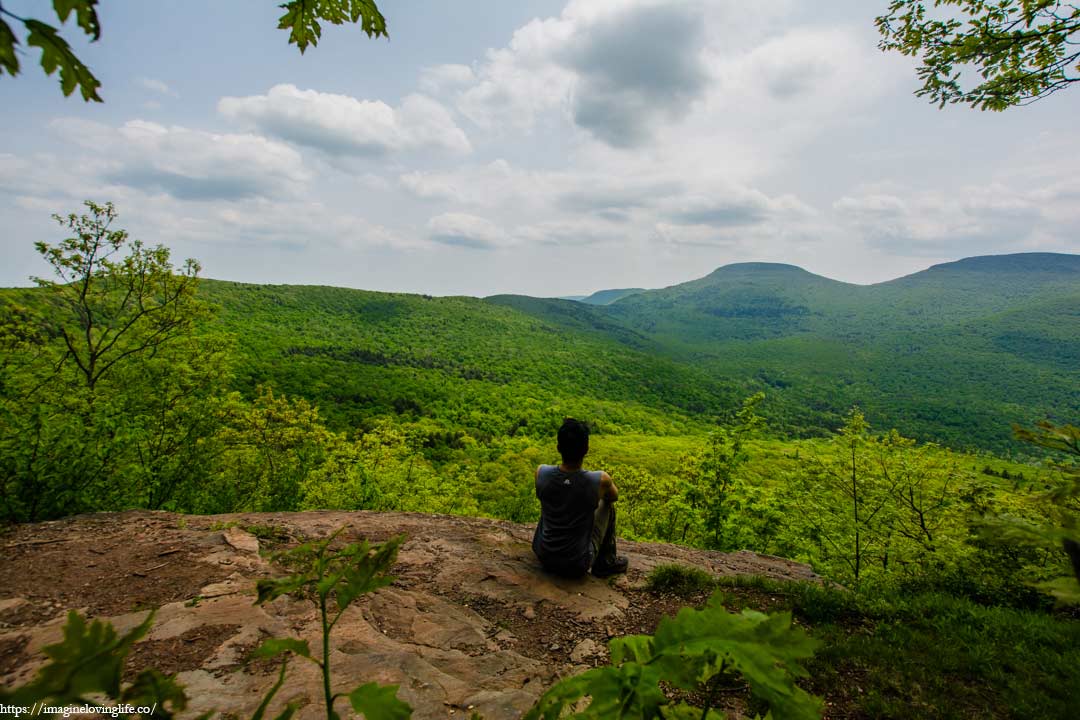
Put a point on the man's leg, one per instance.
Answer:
(603, 518)
(605, 560)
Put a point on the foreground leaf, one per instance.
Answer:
(273, 647)
(766, 649)
(631, 690)
(379, 702)
(90, 659)
(302, 18)
(9, 61)
(687, 651)
(85, 15)
(56, 53)
(367, 570)
(153, 689)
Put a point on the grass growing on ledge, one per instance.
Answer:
(895, 654)
(679, 579)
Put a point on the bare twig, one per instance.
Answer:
(38, 542)
(143, 573)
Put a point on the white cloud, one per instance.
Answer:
(157, 86)
(516, 84)
(636, 67)
(536, 197)
(613, 69)
(572, 232)
(973, 220)
(188, 164)
(620, 142)
(342, 124)
(489, 185)
(803, 62)
(468, 231)
(692, 81)
(733, 206)
(442, 78)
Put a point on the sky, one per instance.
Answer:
(533, 147)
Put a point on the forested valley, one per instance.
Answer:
(910, 440)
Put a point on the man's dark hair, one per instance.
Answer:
(573, 441)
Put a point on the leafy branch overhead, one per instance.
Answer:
(302, 20)
(990, 55)
(302, 17)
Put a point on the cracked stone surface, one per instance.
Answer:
(471, 624)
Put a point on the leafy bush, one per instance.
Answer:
(692, 651)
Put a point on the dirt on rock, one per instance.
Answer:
(471, 623)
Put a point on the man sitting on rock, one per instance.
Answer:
(577, 512)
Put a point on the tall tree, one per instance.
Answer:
(714, 474)
(846, 501)
(104, 376)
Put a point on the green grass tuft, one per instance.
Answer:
(680, 579)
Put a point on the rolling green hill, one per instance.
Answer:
(954, 353)
(606, 297)
(488, 368)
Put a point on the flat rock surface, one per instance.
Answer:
(471, 624)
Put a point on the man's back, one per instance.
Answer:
(568, 501)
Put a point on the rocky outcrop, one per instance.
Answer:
(472, 622)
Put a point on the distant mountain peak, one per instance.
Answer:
(1016, 262)
(606, 297)
(752, 267)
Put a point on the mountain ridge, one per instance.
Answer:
(954, 354)
(982, 262)
(944, 355)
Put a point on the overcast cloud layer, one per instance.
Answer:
(547, 149)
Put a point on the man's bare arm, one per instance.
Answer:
(608, 491)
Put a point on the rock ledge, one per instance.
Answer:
(472, 622)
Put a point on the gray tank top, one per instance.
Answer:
(568, 502)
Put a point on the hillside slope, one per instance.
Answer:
(488, 366)
(606, 297)
(955, 353)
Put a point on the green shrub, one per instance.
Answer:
(696, 651)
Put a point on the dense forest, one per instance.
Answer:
(866, 430)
